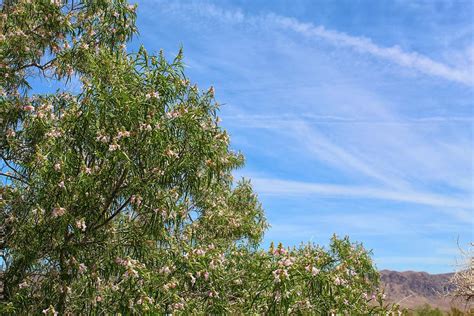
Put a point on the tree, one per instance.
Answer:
(463, 279)
(120, 197)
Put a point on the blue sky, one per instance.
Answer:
(355, 117)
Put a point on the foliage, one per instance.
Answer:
(428, 310)
(463, 279)
(119, 198)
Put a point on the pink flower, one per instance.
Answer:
(199, 252)
(82, 268)
(58, 211)
(49, 310)
(165, 270)
(57, 166)
(81, 224)
(28, 108)
(178, 306)
(287, 262)
(61, 185)
(114, 147)
(279, 251)
(314, 271)
(123, 134)
(212, 294)
(11, 133)
(171, 153)
(277, 274)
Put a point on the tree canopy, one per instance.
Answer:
(118, 196)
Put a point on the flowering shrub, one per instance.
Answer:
(120, 198)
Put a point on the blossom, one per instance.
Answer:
(314, 271)
(61, 185)
(114, 147)
(102, 138)
(172, 114)
(136, 199)
(170, 285)
(154, 94)
(178, 306)
(50, 310)
(339, 281)
(165, 270)
(53, 134)
(213, 294)
(23, 285)
(280, 251)
(123, 134)
(170, 153)
(58, 211)
(81, 224)
(10, 133)
(287, 261)
(82, 268)
(145, 127)
(278, 273)
(57, 166)
(199, 252)
(28, 108)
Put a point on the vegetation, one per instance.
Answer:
(427, 310)
(118, 196)
(463, 279)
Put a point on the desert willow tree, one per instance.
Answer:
(118, 197)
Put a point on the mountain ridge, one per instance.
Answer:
(411, 289)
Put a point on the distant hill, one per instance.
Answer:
(413, 289)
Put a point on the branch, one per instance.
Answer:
(113, 215)
(5, 161)
(13, 177)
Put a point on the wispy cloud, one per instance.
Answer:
(365, 45)
(268, 120)
(394, 54)
(286, 187)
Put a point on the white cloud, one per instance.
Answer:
(453, 206)
(394, 54)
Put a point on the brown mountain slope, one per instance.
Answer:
(413, 289)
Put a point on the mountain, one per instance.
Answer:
(413, 289)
